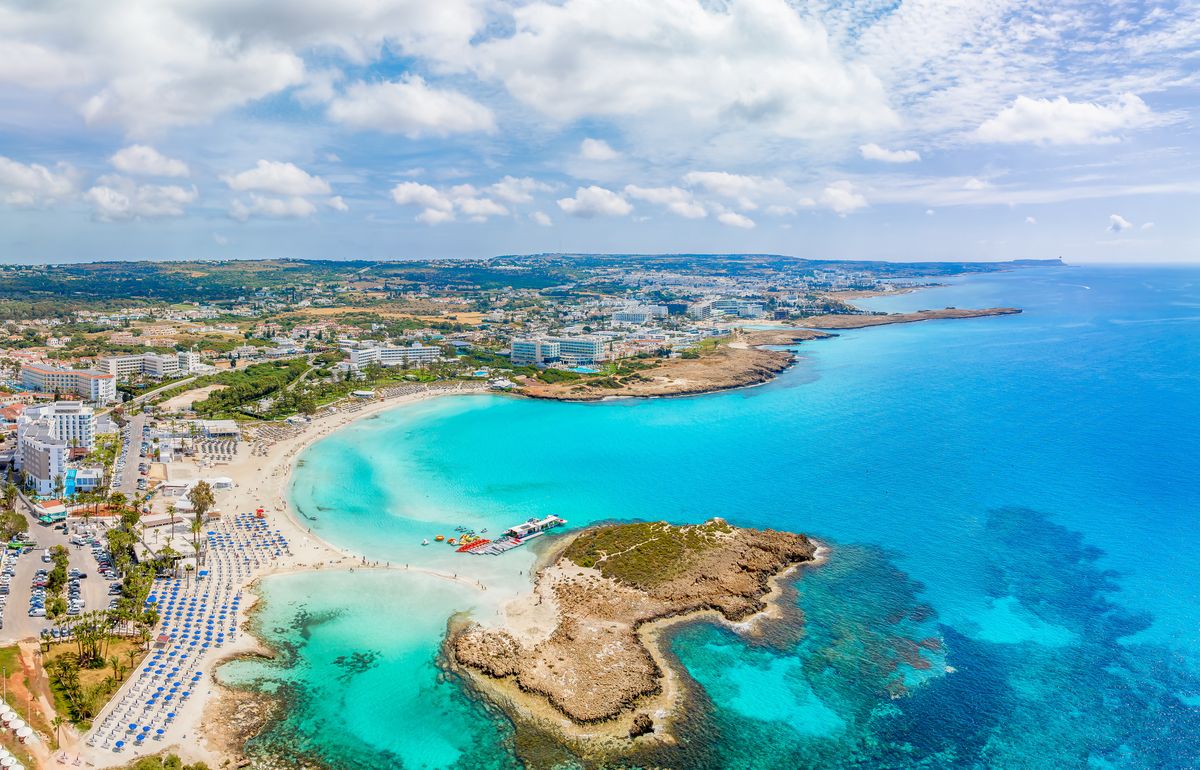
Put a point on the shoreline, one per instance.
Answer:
(263, 476)
(646, 712)
(260, 480)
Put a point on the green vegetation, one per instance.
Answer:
(643, 554)
(168, 762)
(243, 386)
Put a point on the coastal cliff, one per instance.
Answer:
(579, 655)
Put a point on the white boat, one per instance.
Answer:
(425, 541)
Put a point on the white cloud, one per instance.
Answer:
(517, 190)
(33, 184)
(1118, 223)
(541, 218)
(597, 149)
(435, 216)
(116, 198)
(1148, 226)
(740, 65)
(415, 193)
(479, 209)
(595, 201)
(294, 207)
(929, 212)
(841, 198)
(675, 199)
(875, 152)
(440, 206)
(337, 204)
(734, 219)
(1030, 220)
(976, 184)
(748, 191)
(277, 178)
(141, 160)
(153, 64)
(411, 107)
(1060, 121)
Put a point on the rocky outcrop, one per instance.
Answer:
(598, 664)
(882, 319)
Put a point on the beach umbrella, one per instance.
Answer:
(7, 762)
(120, 745)
(16, 724)
(24, 733)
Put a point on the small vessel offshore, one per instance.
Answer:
(514, 536)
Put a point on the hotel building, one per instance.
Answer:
(415, 354)
(534, 351)
(95, 387)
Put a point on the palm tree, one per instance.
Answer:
(58, 721)
(202, 500)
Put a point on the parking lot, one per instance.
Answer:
(20, 572)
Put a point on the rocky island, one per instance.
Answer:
(579, 658)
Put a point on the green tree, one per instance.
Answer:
(202, 500)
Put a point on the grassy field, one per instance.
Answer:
(101, 678)
(643, 554)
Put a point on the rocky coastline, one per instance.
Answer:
(594, 674)
(741, 361)
(856, 321)
(736, 363)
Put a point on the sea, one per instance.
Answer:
(1012, 507)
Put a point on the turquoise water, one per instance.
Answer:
(1012, 503)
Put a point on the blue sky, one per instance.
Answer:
(976, 129)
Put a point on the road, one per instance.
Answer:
(127, 483)
(149, 394)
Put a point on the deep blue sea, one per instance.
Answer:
(1013, 505)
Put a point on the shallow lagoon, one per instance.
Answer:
(1016, 492)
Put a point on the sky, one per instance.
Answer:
(904, 130)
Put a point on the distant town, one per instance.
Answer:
(85, 347)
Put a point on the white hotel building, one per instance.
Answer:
(45, 437)
(159, 366)
(415, 354)
(573, 351)
(95, 387)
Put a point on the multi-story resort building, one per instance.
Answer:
(532, 352)
(157, 365)
(416, 354)
(640, 314)
(72, 421)
(570, 350)
(90, 385)
(46, 438)
(42, 457)
(582, 350)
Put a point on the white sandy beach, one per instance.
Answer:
(260, 480)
